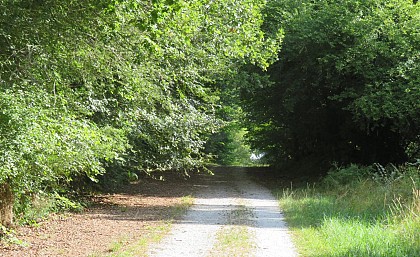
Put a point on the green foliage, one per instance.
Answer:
(345, 87)
(229, 146)
(44, 147)
(62, 203)
(116, 86)
(364, 217)
(36, 207)
(338, 176)
(8, 236)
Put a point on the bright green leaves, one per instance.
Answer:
(172, 141)
(49, 145)
(386, 56)
(83, 84)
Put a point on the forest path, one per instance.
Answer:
(228, 193)
(115, 224)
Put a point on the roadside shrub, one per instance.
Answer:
(340, 176)
(43, 149)
(31, 209)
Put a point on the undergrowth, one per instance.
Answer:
(31, 210)
(357, 211)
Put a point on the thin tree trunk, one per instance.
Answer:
(6, 205)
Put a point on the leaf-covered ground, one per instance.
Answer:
(118, 218)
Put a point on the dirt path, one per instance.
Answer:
(118, 221)
(231, 190)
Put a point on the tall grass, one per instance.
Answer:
(357, 211)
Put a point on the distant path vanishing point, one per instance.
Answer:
(228, 190)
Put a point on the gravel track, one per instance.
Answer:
(195, 234)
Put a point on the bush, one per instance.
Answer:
(340, 176)
(31, 209)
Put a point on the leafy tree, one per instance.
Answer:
(228, 146)
(345, 87)
(87, 86)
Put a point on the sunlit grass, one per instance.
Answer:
(235, 239)
(362, 218)
(180, 208)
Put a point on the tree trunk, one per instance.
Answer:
(6, 205)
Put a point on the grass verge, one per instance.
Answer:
(355, 212)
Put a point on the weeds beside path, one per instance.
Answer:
(355, 212)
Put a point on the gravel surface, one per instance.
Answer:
(229, 190)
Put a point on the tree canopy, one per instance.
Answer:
(346, 85)
(86, 86)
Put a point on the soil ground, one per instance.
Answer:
(126, 214)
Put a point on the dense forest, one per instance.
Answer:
(346, 86)
(107, 90)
